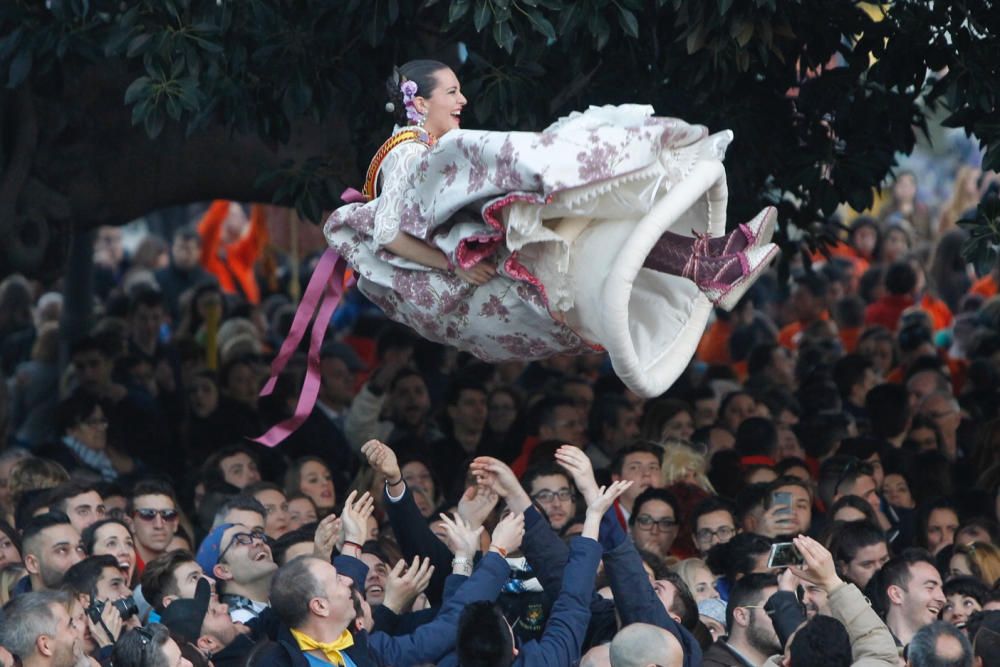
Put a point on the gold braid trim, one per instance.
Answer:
(371, 178)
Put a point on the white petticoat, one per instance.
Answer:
(568, 215)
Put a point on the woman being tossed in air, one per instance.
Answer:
(592, 234)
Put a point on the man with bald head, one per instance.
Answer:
(939, 643)
(645, 645)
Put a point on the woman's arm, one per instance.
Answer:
(415, 250)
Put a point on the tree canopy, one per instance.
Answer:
(113, 109)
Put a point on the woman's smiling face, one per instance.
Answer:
(443, 105)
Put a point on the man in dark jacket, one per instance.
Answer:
(752, 639)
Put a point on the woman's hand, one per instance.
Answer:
(355, 517)
(480, 274)
(508, 533)
(461, 538)
(579, 466)
(381, 457)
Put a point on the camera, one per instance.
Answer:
(126, 607)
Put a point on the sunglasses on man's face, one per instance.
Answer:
(150, 515)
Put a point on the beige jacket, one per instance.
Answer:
(871, 641)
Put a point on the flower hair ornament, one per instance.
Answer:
(409, 90)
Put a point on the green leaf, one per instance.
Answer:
(137, 89)
(504, 36)
(542, 25)
(457, 10)
(154, 122)
(482, 15)
(136, 45)
(628, 22)
(20, 66)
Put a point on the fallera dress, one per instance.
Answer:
(571, 217)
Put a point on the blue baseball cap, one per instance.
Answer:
(208, 552)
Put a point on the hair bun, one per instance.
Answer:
(390, 107)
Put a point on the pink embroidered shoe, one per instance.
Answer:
(757, 232)
(725, 279)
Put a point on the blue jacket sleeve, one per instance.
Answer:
(394, 624)
(544, 551)
(415, 537)
(564, 632)
(433, 640)
(637, 602)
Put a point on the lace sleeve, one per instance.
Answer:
(397, 167)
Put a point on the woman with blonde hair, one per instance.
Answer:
(682, 463)
(964, 195)
(699, 579)
(979, 559)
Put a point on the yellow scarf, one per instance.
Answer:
(330, 649)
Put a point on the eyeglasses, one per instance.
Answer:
(647, 522)
(724, 533)
(150, 514)
(546, 497)
(244, 539)
(96, 423)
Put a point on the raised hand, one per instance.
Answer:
(476, 504)
(403, 587)
(819, 567)
(355, 517)
(508, 534)
(606, 497)
(382, 459)
(599, 505)
(329, 533)
(460, 536)
(778, 520)
(498, 475)
(579, 466)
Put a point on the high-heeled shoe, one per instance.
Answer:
(756, 232)
(725, 279)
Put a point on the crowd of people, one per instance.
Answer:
(436, 509)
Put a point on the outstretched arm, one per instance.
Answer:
(408, 524)
(433, 640)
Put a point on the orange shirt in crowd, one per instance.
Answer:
(233, 266)
(789, 335)
(985, 286)
(713, 349)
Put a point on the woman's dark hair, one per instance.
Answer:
(89, 536)
(420, 72)
(856, 503)
(11, 534)
(924, 511)
(651, 494)
(75, 409)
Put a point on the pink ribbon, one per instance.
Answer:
(324, 290)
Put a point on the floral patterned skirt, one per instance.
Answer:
(568, 216)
